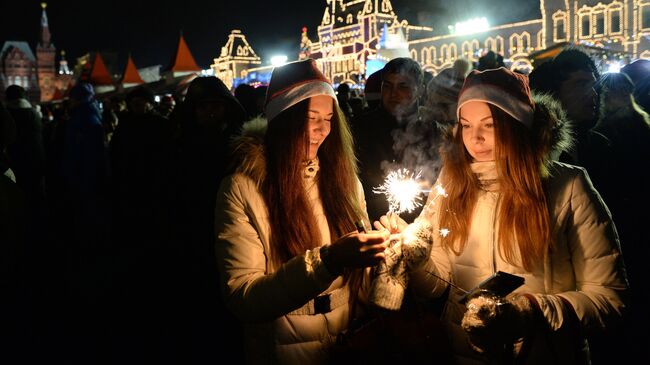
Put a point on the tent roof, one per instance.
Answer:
(131, 75)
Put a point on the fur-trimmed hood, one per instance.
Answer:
(248, 150)
(552, 128)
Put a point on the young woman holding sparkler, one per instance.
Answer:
(284, 221)
(510, 208)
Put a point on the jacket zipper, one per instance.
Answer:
(494, 231)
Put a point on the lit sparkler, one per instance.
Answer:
(402, 191)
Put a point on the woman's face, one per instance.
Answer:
(321, 111)
(477, 126)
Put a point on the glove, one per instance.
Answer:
(389, 279)
(493, 322)
(417, 240)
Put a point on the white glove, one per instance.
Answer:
(417, 240)
(390, 279)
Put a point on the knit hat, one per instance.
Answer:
(293, 83)
(502, 88)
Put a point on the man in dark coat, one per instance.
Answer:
(209, 118)
(399, 134)
(26, 152)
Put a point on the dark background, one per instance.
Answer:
(149, 30)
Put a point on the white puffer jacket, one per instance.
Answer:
(581, 285)
(276, 304)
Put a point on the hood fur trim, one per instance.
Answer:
(248, 150)
(552, 128)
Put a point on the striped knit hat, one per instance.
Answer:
(502, 88)
(293, 83)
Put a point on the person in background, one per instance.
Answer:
(286, 245)
(627, 126)
(443, 92)
(639, 73)
(372, 91)
(399, 134)
(509, 207)
(166, 106)
(246, 96)
(343, 96)
(26, 153)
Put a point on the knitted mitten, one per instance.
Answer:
(389, 279)
(492, 323)
(417, 240)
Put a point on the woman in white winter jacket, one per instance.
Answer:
(509, 208)
(287, 246)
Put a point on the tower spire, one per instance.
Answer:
(45, 27)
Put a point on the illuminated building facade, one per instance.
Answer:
(351, 32)
(620, 26)
(236, 60)
(349, 35)
(36, 74)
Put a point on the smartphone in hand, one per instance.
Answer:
(500, 284)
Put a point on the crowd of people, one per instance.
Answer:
(224, 226)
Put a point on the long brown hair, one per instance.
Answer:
(293, 225)
(524, 222)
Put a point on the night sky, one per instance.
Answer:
(149, 29)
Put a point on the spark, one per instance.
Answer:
(444, 232)
(402, 191)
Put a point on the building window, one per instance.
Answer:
(559, 27)
(500, 47)
(599, 19)
(426, 56)
(525, 42)
(615, 25)
(490, 45)
(561, 30)
(585, 30)
(645, 16)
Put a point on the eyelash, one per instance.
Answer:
(489, 125)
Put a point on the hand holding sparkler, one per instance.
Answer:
(354, 250)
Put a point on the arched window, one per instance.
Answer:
(453, 51)
(491, 44)
(559, 26)
(584, 22)
(644, 14)
(615, 12)
(426, 56)
(500, 46)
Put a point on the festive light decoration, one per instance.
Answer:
(279, 60)
(350, 31)
(476, 25)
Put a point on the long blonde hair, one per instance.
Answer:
(523, 216)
